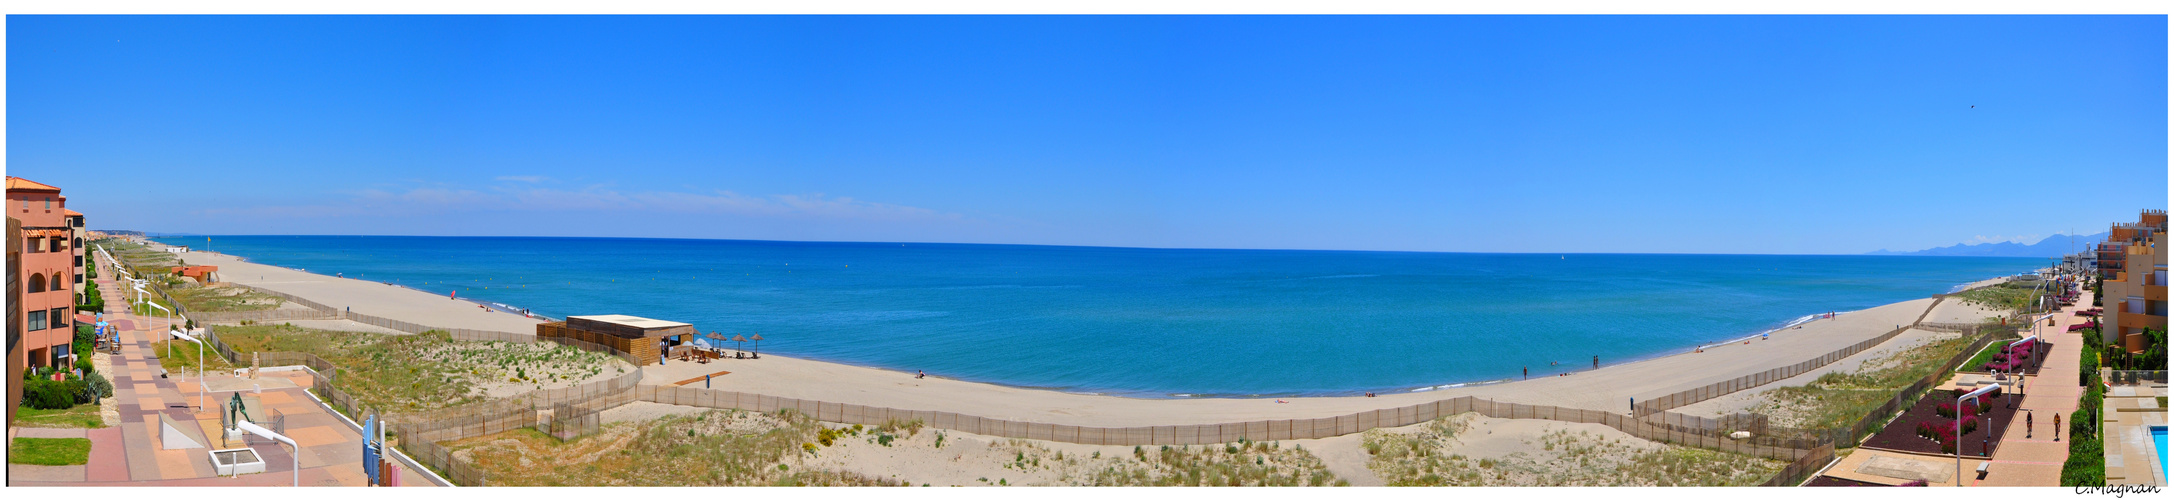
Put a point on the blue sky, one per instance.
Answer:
(1702, 134)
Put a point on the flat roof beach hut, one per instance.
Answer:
(633, 335)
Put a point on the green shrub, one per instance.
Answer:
(98, 386)
(48, 395)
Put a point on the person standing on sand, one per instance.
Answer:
(1528, 373)
(1596, 362)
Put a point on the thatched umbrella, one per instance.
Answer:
(737, 339)
(758, 344)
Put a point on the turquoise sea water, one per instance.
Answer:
(1148, 322)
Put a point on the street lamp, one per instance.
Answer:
(169, 326)
(199, 365)
(2033, 359)
(253, 428)
(1959, 427)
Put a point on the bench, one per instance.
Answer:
(1981, 468)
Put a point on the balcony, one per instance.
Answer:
(2140, 321)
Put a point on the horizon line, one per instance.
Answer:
(1117, 247)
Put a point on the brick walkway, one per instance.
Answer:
(2029, 455)
(132, 454)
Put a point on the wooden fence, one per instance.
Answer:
(1694, 395)
(1261, 430)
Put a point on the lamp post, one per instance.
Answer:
(169, 326)
(1959, 427)
(2033, 341)
(252, 428)
(199, 365)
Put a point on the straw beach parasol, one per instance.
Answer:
(737, 339)
(758, 344)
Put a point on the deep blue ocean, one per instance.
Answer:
(1148, 322)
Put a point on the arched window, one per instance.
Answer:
(37, 283)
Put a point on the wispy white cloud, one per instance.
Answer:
(531, 179)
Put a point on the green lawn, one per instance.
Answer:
(81, 416)
(1977, 363)
(49, 451)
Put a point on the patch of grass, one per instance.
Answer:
(183, 359)
(1984, 356)
(83, 416)
(49, 451)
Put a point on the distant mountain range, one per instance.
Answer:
(2053, 246)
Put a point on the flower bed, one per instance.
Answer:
(2004, 359)
(1923, 428)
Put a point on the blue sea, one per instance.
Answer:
(1148, 322)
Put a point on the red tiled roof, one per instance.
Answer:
(21, 184)
(69, 211)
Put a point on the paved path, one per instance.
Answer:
(132, 454)
(2029, 455)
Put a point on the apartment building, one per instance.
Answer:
(2132, 267)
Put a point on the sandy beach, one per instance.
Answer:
(361, 296)
(1610, 388)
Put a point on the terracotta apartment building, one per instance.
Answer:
(2132, 270)
(47, 299)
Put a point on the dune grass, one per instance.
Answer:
(713, 448)
(2006, 296)
(1837, 400)
(49, 451)
(1244, 463)
(419, 372)
(225, 299)
(1426, 456)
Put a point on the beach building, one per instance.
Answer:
(48, 290)
(202, 274)
(2132, 270)
(648, 340)
(15, 310)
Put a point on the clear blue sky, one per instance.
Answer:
(1707, 134)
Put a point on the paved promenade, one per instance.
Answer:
(2029, 455)
(132, 453)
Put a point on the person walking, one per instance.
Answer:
(1528, 373)
(2057, 426)
(1596, 362)
(2030, 424)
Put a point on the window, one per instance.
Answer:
(55, 244)
(36, 321)
(37, 284)
(36, 245)
(60, 317)
(48, 203)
